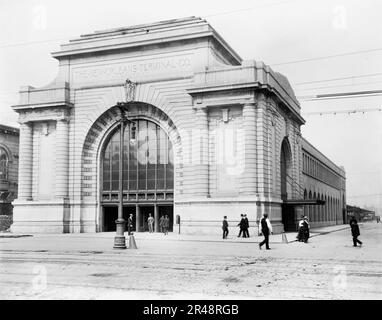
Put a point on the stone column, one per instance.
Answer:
(199, 158)
(25, 161)
(137, 217)
(248, 177)
(62, 159)
(156, 218)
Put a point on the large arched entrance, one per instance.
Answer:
(288, 212)
(148, 176)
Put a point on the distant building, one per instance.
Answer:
(360, 214)
(9, 161)
(215, 136)
(325, 181)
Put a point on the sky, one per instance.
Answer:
(336, 46)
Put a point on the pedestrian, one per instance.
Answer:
(130, 224)
(241, 224)
(166, 224)
(259, 227)
(246, 227)
(355, 231)
(150, 222)
(225, 228)
(266, 229)
(161, 223)
(305, 229)
(300, 229)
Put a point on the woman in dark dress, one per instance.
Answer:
(305, 228)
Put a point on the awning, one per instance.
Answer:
(304, 202)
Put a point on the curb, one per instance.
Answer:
(14, 235)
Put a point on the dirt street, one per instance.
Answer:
(84, 266)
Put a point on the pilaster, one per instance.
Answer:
(62, 158)
(262, 146)
(25, 161)
(248, 177)
(199, 159)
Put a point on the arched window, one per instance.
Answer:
(310, 208)
(306, 209)
(331, 209)
(148, 164)
(285, 170)
(4, 159)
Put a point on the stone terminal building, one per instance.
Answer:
(214, 135)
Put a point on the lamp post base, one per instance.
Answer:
(119, 239)
(119, 242)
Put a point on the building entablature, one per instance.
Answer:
(240, 84)
(48, 103)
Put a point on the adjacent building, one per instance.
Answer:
(361, 214)
(211, 135)
(325, 181)
(9, 160)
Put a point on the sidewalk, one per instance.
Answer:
(174, 236)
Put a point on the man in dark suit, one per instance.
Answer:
(241, 224)
(266, 229)
(225, 228)
(355, 231)
(246, 227)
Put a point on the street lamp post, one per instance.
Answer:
(119, 239)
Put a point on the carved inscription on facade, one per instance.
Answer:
(132, 70)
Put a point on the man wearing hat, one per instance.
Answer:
(241, 224)
(225, 227)
(266, 229)
(246, 227)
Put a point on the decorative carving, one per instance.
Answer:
(298, 136)
(130, 88)
(273, 120)
(45, 129)
(272, 112)
(225, 115)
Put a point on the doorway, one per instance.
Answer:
(288, 218)
(287, 211)
(144, 214)
(169, 210)
(148, 178)
(110, 214)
